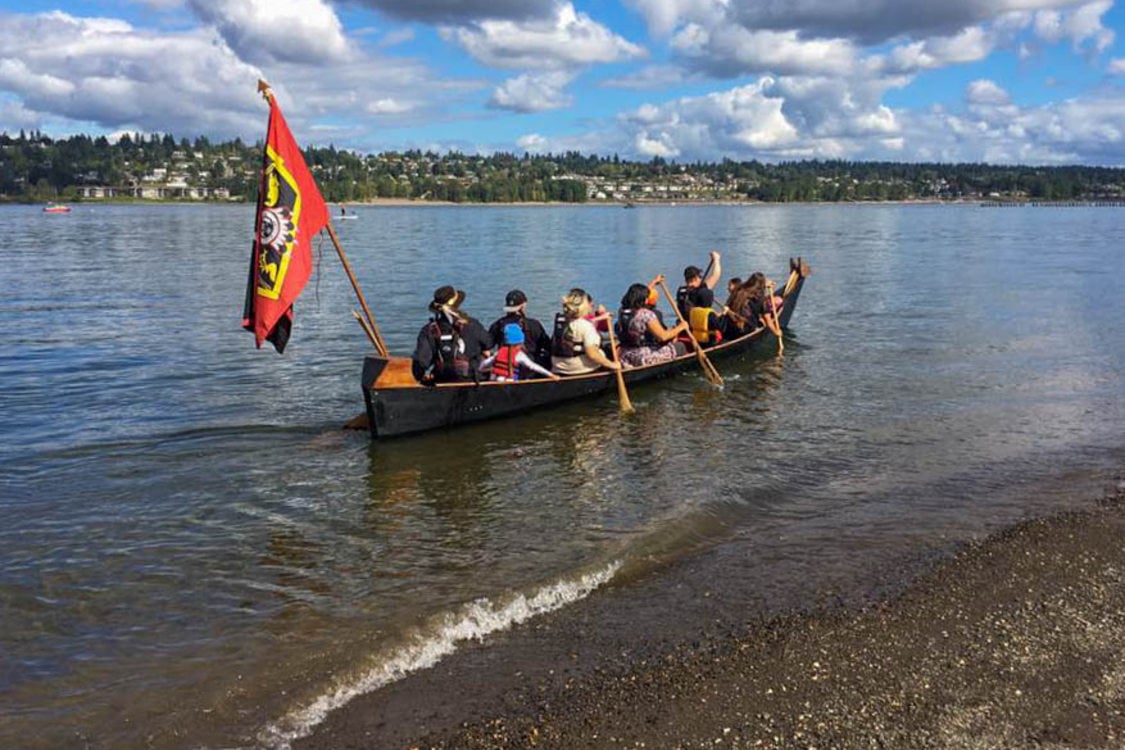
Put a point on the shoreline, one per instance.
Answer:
(1012, 641)
(640, 203)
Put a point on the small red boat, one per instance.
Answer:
(56, 208)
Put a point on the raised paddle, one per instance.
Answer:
(708, 369)
(776, 320)
(622, 393)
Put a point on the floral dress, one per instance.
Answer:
(637, 356)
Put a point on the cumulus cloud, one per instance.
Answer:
(651, 77)
(864, 21)
(533, 92)
(1079, 27)
(568, 38)
(1080, 130)
(1116, 66)
(263, 31)
(733, 50)
(531, 142)
(463, 11)
(970, 45)
(984, 91)
(738, 120)
(664, 16)
(789, 117)
(107, 72)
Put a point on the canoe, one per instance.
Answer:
(398, 405)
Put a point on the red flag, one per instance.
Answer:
(290, 213)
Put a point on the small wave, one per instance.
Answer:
(472, 621)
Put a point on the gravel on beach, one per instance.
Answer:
(1017, 641)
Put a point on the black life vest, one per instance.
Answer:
(561, 346)
(505, 366)
(629, 337)
(684, 301)
(449, 350)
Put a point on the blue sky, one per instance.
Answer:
(1003, 81)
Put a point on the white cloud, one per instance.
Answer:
(533, 92)
(532, 142)
(387, 106)
(568, 39)
(1081, 130)
(970, 45)
(661, 144)
(740, 119)
(305, 31)
(984, 91)
(1116, 66)
(396, 37)
(463, 11)
(107, 72)
(1078, 27)
(651, 77)
(865, 21)
(663, 16)
(733, 51)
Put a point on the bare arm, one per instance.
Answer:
(662, 334)
(595, 353)
(712, 279)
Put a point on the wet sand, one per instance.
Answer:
(1015, 641)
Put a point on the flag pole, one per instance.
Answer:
(376, 337)
(380, 345)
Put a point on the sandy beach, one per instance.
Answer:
(1016, 641)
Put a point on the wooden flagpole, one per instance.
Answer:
(371, 328)
(380, 345)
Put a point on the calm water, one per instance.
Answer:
(193, 554)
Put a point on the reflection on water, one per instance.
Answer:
(193, 549)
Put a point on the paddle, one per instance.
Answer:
(622, 393)
(708, 369)
(776, 320)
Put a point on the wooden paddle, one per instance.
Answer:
(622, 393)
(776, 320)
(708, 369)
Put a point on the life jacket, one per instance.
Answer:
(451, 364)
(504, 367)
(700, 322)
(561, 346)
(628, 336)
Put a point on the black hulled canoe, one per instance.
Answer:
(398, 405)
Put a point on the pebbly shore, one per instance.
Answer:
(1015, 641)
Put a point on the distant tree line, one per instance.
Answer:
(35, 167)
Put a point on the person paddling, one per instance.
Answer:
(576, 345)
(511, 363)
(699, 286)
(644, 339)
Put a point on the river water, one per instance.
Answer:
(193, 554)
